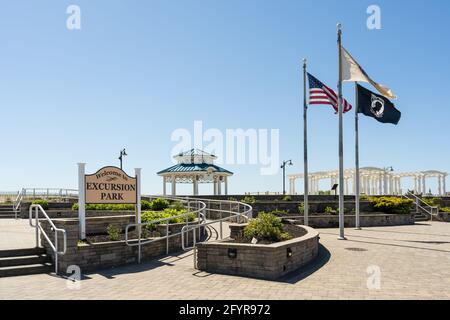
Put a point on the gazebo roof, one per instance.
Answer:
(194, 161)
(194, 167)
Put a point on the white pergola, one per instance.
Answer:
(373, 181)
(195, 166)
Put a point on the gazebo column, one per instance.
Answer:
(195, 184)
(219, 186)
(164, 186)
(174, 186)
(226, 185)
(215, 185)
(380, 185)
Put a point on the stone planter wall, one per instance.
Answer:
(258, 261)
(366, 220)
(444, 216)
(107, 254)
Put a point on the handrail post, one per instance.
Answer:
(167, 237)
(36, 214)
(56, 251)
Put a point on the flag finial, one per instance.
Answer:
(304, 61)
(339, 27)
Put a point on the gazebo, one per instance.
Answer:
(195, 166)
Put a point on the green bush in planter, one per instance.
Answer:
(249, 199)
(42, 203)
(160, 204)
(266, 227)
(445, 209)
(113, 232)
(287, 198)
(392, 205)
(146, 205)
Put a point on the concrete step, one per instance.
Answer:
(21, 252)
(24, 260)
(8, 216)
(13, 271)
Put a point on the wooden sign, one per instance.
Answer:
(110, 185)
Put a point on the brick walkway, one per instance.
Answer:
(414, 262)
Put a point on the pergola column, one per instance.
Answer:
(443, 185)
(380, 185)
(439, 186)
(424, 186)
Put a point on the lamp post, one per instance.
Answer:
(122, 154)
(283, 166)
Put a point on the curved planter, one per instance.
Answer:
(257, 260)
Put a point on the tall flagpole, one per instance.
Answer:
(357, 186)
(305, 148)
(341, 143)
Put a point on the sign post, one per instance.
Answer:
(138, 194)
(81, 201)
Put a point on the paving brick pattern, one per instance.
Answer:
(414, 262)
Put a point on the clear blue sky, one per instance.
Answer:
(138, 70)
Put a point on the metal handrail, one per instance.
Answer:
(37, 208)
(419, 201)
(201, 221)
(17, 203)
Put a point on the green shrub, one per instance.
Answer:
(276, 212)
(445, 209)
(287, 198)
(432, 202)
(113, 232)
(301, 208)
(392, 205)
(149, 216)
(330, 210)
(177, 205)
(325, 193)
(160, 204)
(249, 199)
(232, 199)
(42, 203)
(266, 227)
(146, 205)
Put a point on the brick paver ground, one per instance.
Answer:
(414, 263)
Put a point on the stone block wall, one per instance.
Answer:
(366, 220)
(107, 254)
(258, 261)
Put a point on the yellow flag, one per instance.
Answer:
(352, 71)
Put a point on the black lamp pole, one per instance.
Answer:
(283, 166)
(122, 153)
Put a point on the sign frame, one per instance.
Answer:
(134, 179)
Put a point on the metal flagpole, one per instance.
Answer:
(341, 144)
(357, 192)
(305, 148)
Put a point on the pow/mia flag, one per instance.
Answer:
(377, 106)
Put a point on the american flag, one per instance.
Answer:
(322, 94)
